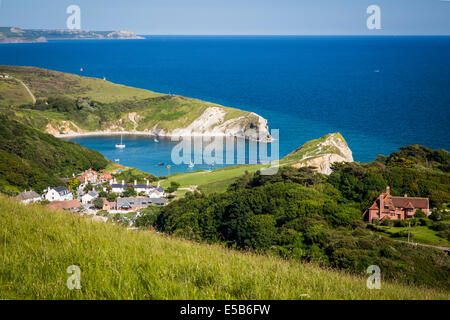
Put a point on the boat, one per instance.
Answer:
(161, 164)
(121, 145)
(191, 165)
(156, 139)
(116, 160)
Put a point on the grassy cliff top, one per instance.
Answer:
(38, 246)
(91, 104)
(318, 147)
(46, 83)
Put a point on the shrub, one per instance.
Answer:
(439, 226)
(419, 214)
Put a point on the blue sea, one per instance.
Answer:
(379, 92)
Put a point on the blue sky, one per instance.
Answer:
(235, 17)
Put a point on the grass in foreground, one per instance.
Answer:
(38, 245)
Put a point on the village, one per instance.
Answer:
(99, 194)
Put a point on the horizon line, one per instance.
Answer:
(298, 35)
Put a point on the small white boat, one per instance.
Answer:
(121, 145)
(156, 139)
(116, 160)
(191, 165)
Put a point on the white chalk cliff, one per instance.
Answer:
(321, 153)
(212, 122)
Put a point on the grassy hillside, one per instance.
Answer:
(298, 214)
(30, 158)
(67, 101)
(38, 245)
(218, 180)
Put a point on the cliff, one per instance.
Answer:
(321, 153)
(18, 35)
(71, 105)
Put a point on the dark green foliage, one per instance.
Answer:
(173, 187)
(129, 192)
(112, 197)
(419, 214)
(422, 156)
(280, 215)
(362, 183)
(98, 203)
(33, 159)
(130, 175)
(148, 217)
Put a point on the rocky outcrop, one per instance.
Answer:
(212, 122)
(321, 153)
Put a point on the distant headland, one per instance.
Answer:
(18, 35)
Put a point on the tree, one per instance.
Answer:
(173, 187)
(419, 214)
(103, 194)
(89, 187)
(74, 183)
(129, 192)
(112, 197)
(98, 203)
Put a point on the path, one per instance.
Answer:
(28, 89)
(426, 245)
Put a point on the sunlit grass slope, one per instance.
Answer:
(37, 246)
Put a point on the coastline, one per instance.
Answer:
(148, 134)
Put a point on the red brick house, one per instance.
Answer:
(390, 207)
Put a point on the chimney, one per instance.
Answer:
(135, 182)
(381, 204)
(388, 190)
(123, 182)
(147, 182)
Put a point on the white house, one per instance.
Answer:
(88, 197)
(156, 192)
(58, 194)
(151, 191)
(29, 197)
(118, 188)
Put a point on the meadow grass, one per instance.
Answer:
(211, 181)
(38, 245)
(421, 234)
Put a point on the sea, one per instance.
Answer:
(380, 93)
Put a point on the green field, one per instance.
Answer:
(210, 181)
(218, 180)
(420, 234)
(37, 246)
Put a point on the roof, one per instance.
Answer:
(405, 202)
(61, 190)
(392, 202)
(119, 186)
(143, 186)
(93, 193)
(159, 201)
(26, 195)
(64, 205)
(133, 202)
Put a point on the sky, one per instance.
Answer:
(234, 17)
